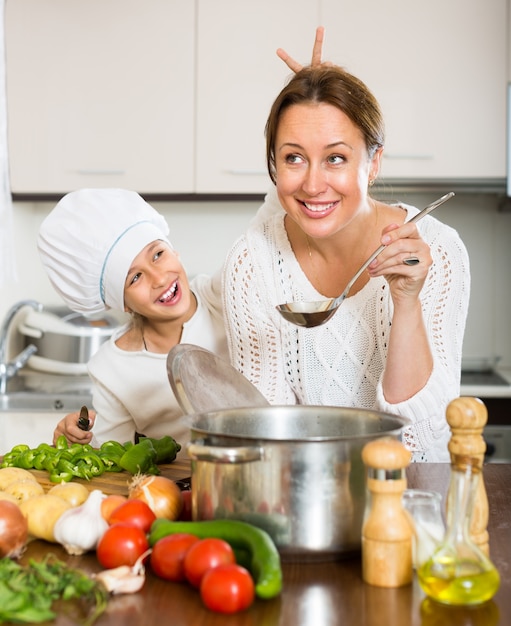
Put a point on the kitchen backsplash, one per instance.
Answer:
(202, 233)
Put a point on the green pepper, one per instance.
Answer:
(51, 462)
(9, 459)
(89, 464)
(39, 459)
(264, 557)
(111, 462)
(61, 443)
(112, 447)
(140, 457)
(61, 477)
(22, 447)
(25, 459)
(166, 448)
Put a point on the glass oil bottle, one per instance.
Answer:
(459, 572)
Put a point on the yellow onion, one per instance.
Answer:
(13, 530)
(161, 494)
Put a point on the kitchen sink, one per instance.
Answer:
(41, 402)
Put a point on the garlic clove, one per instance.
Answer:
(122, 579)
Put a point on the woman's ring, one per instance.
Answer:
(413, 260)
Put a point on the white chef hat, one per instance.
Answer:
(88, 242)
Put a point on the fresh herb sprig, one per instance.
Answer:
(28, 592)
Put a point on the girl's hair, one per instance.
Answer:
(330, 85)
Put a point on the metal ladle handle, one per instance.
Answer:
(415, 218)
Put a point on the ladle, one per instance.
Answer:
(309, 314)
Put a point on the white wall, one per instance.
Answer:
(203, 232)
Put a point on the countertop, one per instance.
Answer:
(328, 593)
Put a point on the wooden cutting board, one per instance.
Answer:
(117, 482)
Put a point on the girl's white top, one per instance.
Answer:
(131, 390)
(341, 362)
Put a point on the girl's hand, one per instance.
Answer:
(403, 243)
(68, 426)
(317, 52)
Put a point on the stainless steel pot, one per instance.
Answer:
(295, 471)
(63, 336)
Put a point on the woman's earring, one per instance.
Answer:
(371, 182)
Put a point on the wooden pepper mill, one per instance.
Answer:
(386, 531)
(467, 418)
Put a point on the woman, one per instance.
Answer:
(395, 343)
(108, 249)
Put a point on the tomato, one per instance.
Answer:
(227, 589)
(121, 544)
(204, 555)
(186, 511)
(167, 557)
(135, 512)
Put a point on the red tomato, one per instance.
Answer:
(186, 511)
(204, 555)
(121, 544)
(227, 589)
(134, 512)
(168, 555)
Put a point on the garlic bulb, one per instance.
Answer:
(80, 528)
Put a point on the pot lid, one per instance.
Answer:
(202, 381)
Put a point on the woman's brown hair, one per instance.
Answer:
(330, 85)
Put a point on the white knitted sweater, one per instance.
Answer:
(341, 362)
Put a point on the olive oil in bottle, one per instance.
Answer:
(459, 572)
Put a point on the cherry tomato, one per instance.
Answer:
(168, 555)
(121, 544)
(204, 555)
(134, 512)
(227, 589)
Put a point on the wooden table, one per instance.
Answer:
(323, 594)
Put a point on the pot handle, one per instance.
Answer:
(197, 451)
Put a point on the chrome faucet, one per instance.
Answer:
(10, 369)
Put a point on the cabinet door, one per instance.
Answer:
(100, 94)
(239, 76)
(438, 70)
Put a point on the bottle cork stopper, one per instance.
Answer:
(386, 453)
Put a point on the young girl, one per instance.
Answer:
(108, 249)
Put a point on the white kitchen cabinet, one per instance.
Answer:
(172, 96)
(100, 94)
(439, 71)
(239, 76)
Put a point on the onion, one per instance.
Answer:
(13, 530)
(161, 494)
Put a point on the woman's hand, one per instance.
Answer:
(317, 52)
(68, 426)
(403, 243)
